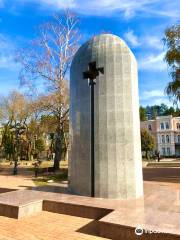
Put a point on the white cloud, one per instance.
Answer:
(7, 62)
(145, 41)
(152, 62)
(151, 94)
(108, 7)
(58, 3)
(154, 42)
(131, 38)
(154, 97)
(102, 7)
(159, 101)
(165, 8)
(1, 3)
(156, 101)
(7, 54)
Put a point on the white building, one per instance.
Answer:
(166, 131)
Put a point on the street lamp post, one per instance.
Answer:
(91, 74)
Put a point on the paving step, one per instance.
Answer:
(75, 209)
(20, 203)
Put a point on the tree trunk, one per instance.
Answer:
(29, 151)
(58, 150)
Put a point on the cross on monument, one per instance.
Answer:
(91, 74)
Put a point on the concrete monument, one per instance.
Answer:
(117, 150)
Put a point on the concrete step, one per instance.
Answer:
(75, 209)
(20, 203)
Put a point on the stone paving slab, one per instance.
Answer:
(147, 219)
(46, 226)
(20, 197)
(16, 182)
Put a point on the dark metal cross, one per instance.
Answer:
(91, 74)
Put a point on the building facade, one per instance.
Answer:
(166, 131)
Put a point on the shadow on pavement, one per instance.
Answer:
(159, 174)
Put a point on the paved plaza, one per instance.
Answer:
(159, 210)
(45, 226)
(16, 182)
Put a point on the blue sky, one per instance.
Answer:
(141, 23)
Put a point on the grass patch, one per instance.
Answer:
(61, 175)
(40, 182)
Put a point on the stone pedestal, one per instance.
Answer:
(118, 164)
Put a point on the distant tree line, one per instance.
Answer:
(151, 112)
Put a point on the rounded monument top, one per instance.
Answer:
(110, 41)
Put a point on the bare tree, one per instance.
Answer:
(48, 59)
(15, 108)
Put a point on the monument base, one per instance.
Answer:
(113, 219)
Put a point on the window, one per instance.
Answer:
(178, 125)
(167, 125)
(163, 139)
(178, 139)
(149, 127)
(167, 139)
(162, 126)
(168, 152)
(163, 151)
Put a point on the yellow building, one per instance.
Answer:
(166, 131)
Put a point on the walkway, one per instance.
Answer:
(44, 226)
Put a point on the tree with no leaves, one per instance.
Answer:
(48, 59)
(15, 109)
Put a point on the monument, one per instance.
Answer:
(117, 168)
